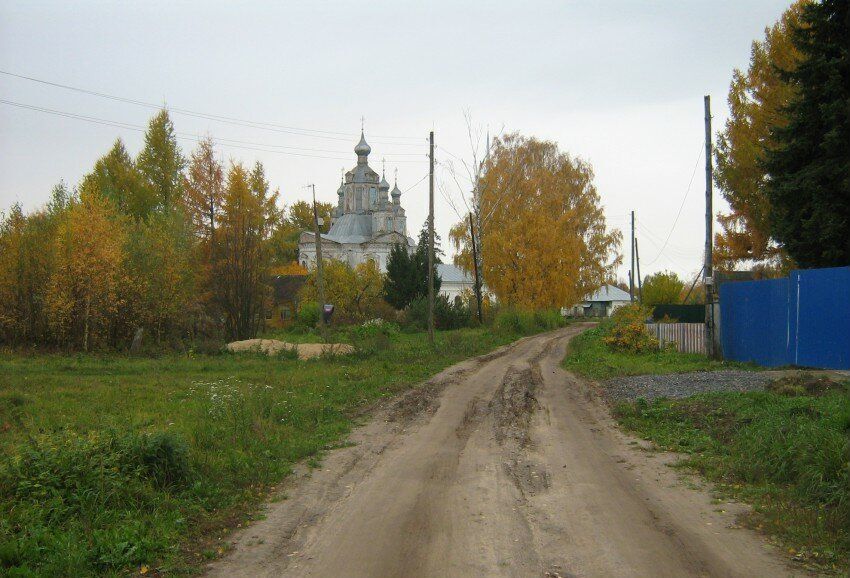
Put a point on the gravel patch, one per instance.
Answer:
(678, 385)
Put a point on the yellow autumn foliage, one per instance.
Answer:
(544, 241)
(83, 295)
(756, 100)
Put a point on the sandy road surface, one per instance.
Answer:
(504, 465)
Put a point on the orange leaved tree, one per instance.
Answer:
(544, 241)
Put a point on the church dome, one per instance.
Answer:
(362, 148)
(396, 192)
(383, 185)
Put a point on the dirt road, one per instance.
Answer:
(504, 465)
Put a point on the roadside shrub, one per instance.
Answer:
(513, 321)
(164, 457)
(207, 347)
(626, 331)
(371, 328)
(415, 315)
(73, 469)
(548, 319)
(308, 314)
(447, 315)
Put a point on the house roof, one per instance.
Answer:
(453, 274)
(608, 293)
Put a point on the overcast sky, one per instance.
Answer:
(618, 83)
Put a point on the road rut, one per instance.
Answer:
(504, 465)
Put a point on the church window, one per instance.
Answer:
(389, 223)
(373, 195)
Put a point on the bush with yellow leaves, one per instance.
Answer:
(626, 330)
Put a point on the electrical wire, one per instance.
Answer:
(316, 133)
(681, 206)
(238, 144)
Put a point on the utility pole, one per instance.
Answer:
(320, 282)
(640, 282)
(708, 270)
(431, 239)
(632, 269)
(475, 266)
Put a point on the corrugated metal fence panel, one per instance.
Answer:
(803, 320)
(754, 321)
(820, 312)
(688, 337)
(680, 313)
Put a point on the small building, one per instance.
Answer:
(455, 283)
(601, 303)
(285, 290)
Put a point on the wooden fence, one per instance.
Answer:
(688, 337)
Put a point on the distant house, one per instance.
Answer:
(455, 282)
(285, 299)
(602, 303)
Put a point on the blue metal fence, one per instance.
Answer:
(801, 320)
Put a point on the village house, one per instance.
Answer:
(456, 284)
(601, 303)
(285, 299)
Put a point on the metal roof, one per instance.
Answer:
(453, 274)
(351, 228)
(608, 293)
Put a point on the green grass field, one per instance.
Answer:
(785, 450)
(788, 455)
(589, 357)
(111, 463)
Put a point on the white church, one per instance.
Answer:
(367, 221)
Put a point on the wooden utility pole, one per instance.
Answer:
(431, 239)
(475, 267)
(639, 281)
(320, 282)
(708, 270)
(632, 269)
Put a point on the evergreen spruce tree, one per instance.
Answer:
(407, 274)
(809, 168)
(399, 286)
(421, 263)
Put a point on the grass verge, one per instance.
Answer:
(590, 357)
(112, 465)
(785, 450)
(787, 455)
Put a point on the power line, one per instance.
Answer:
(316, 133)
(681, 206)
(658, 240)
(413, 186)
(246, 145)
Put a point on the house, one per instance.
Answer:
(455, 282)
(285, 289)
(367, 221)
(601, 303)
